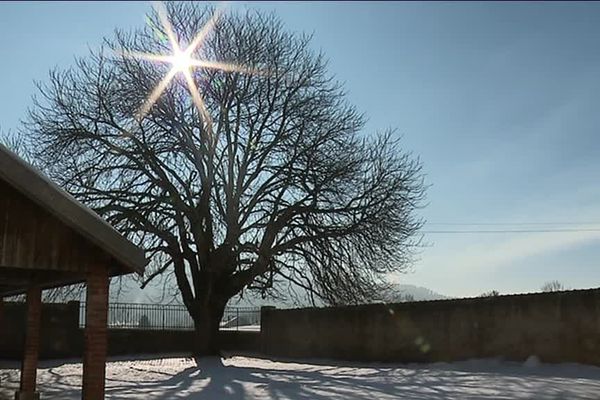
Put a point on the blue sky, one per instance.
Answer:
(499, 100)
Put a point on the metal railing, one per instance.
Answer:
(171, 317)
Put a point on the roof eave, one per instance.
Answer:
(48, 195)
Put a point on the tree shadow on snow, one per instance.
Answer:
(235, 382)
(313, 382)
(288, 379)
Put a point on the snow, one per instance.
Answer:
(156, 377)
(532, 362)
(245, 328)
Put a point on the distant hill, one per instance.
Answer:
(250, 300)
(404, 292)
(398, 293)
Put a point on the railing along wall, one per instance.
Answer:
(171, 317)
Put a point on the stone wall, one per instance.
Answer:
(60, 335)
(139, 341)
(557, 327)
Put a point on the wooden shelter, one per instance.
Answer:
(49, 239)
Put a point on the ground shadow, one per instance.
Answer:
(284, 379)
(341, 380)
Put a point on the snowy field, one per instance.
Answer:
(254, 378)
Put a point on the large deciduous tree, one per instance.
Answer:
(275, 180)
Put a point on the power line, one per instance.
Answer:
(508, 223)
(555, 227)
(514, 231)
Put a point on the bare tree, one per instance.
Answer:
(553, 286)
(274, 182)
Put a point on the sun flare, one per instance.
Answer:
(183, 62)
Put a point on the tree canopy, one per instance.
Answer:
(272, 179)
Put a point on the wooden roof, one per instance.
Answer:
(44, 228)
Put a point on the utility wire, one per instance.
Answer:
(514, 231)
(529, 227)
(508, 223)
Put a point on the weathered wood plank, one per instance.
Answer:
(31, 183)
(32, 238)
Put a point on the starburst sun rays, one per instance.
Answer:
(183, 62)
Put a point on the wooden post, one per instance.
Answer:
(94, 360)
(32, 344)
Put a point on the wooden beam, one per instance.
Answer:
(16, 280)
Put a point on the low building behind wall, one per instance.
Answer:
(557, 327)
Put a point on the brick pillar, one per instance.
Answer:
(1, 309)
(1, 325)
(32, 344)
(94, 359)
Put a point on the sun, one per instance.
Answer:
(182, 62)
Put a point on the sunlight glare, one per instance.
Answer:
(182, 61)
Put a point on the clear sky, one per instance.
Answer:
(500, 101)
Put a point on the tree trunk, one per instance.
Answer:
(206, 322)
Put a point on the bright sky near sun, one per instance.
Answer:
(499, 100)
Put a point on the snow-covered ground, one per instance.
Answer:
(254, 378)
(245, 328)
